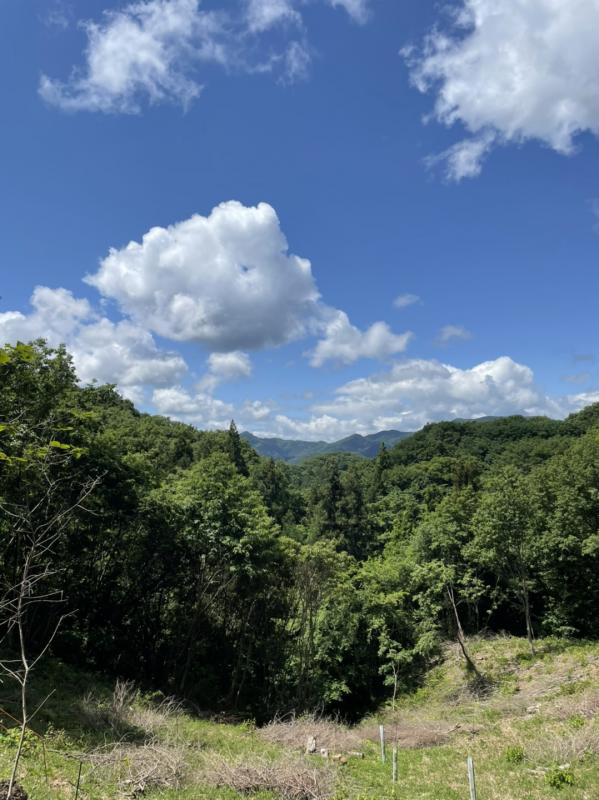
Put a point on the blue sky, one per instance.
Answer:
(355, 152)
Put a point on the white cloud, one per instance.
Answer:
(225, 367)
(357, 9)
(199, 409)
(228, 282)
(59, 15)
(102, 350)
(265, 14)
(405, 300)
(510, 72)
(225, 280)
(415, 391)
(122, 353)
(56, 315)
(406, 396)
(314, 429)
(579, 401)
(296, 62)
(229, 366)
(255, 410)
(148, 51)
(449, 332)
(345, 343)
(464, 159)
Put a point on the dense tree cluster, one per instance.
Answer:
(244, 584)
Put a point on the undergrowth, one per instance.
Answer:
(534, 735)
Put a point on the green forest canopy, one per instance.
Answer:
(200, 568)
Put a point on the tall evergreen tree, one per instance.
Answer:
(235, 449)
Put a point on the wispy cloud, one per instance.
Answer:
(405, 300)
(60, 15)
(583, 358)
(577, 377)
(153, 51)
(450, 332)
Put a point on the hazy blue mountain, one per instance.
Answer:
(293, 451)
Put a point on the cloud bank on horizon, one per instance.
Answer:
(227, 283)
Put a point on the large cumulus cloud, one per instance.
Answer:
(228, 282)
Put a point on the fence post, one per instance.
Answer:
(382, 738)
(471, 778)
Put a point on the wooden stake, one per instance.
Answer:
(471, 778)
(45, 760)
(394, 765)
(382, 738)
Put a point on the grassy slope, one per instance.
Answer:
(540, 714)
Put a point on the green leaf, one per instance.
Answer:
(59, 445)
(25, 352)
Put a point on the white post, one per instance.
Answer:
(382, 738)
(471, 778)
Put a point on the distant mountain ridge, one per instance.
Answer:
(295, 450)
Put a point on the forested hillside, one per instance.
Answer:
(183, 560)
(294, 451)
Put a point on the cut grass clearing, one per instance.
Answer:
(535, 735)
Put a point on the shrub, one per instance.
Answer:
(558, 777)
(11, 738)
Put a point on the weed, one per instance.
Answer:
(559, 777)
(514, 754)
(11, 736)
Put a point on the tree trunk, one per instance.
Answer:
(460, 633)
(529, 630)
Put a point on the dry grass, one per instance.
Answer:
(137, 768)
(410, 734)
(585, 705)
(294, 732)
(559, 747)
(125, 713)
(291, 778)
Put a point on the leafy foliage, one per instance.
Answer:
(243, 583)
